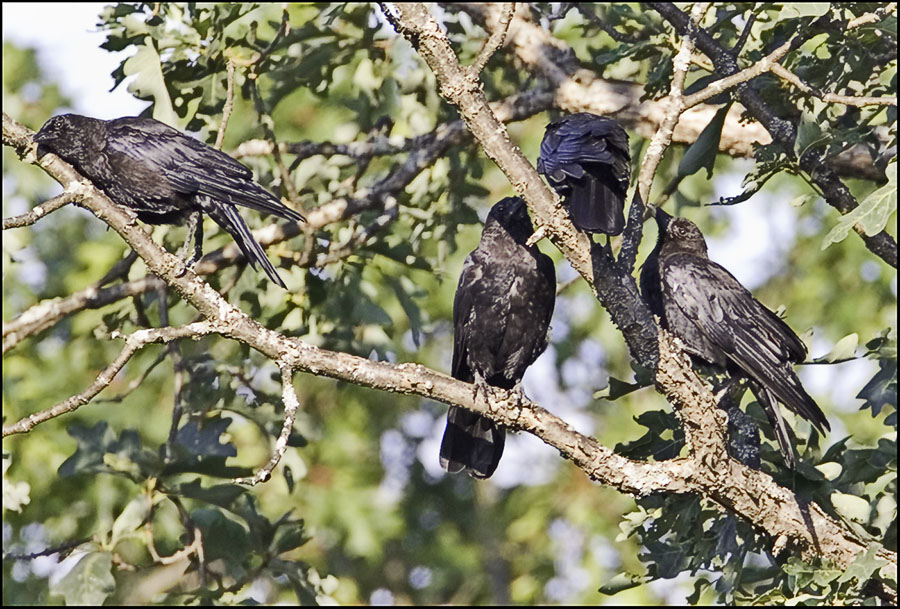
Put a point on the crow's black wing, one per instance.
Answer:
(480, 309)
(729, 318)
(531, 296)
(577, 139)
(585, 157)
(190, 166)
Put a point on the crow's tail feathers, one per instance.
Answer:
(262, 200)
(597, 208)
(794, 396)
(228, 218)
(241, 191)
(471, 442)
(769, 403)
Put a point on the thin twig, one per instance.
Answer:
(873, 17)
(266, 121)
(769, 62)
(136, 382)
(118, 271)
(60, 549)
(39, 211)
(745, 34)
(847, 100)
(134, 343)
(291, 406)
(229, 105)
(675, 105)
(494, 41)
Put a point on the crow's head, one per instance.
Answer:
(683, 235)
(512, 214)
(70, 136)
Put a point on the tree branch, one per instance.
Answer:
(674, 105)
(39, 211)
(495, 39)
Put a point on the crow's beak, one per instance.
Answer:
(662, 219)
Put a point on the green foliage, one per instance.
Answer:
(354, 513)
(873, 212)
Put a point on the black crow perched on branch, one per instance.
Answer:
(501, 321)
(586, 160)
(722, 324)
(165, 176)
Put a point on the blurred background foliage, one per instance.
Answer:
(359, 511)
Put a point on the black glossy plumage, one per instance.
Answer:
(585, 159)
(651, 289)
(501, 319)
(163, 174)
(721, 323)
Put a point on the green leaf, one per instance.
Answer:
(90, 582)
(222, 495)
(809, 134)
(851, 507)
(844, 349)
(702, 153)
(289, 536)
(149, 83)
(801, 200)
(872, 214)
(620, 582)
(830, 470)
(881, 390)
(222, 537)
(803, 9)
(617, 388)
(133, 516)
(864, 565)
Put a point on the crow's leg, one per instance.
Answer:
(519, 392)
(479, 386)
(195, 233)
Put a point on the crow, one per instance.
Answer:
(585, 159)
(165, 176)
(723, 325)
(501, 321)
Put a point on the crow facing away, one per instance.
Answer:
(165, 176)
(585, 159)
(501, 321)
(722, 324)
